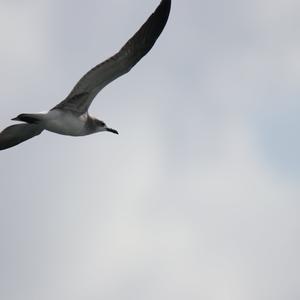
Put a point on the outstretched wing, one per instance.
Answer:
(16, 134)
(138, 46)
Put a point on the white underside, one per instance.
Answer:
(66, 123)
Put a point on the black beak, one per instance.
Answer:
(112, 130)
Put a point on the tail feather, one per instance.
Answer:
(29, 118)
(16, 134)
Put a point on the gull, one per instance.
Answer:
(71, 117)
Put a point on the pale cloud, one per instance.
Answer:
(197, 197)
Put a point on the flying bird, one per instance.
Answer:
(71, 117)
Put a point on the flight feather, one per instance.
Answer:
(82, 95)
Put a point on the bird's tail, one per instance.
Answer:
(16, 134)
(29, 118)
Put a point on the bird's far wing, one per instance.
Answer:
(138, 46)
(16, 134)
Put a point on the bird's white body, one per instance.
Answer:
(65, 122)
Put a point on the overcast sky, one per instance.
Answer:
(197, 198)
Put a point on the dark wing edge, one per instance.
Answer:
(16, 134)
(119, 64)
(144, 39)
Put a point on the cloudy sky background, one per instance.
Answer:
(197, 198)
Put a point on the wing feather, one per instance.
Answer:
(16, 134)
(119, 64)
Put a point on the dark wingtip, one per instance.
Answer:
(146, 36)
(158, 20)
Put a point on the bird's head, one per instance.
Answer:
(101, 126)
